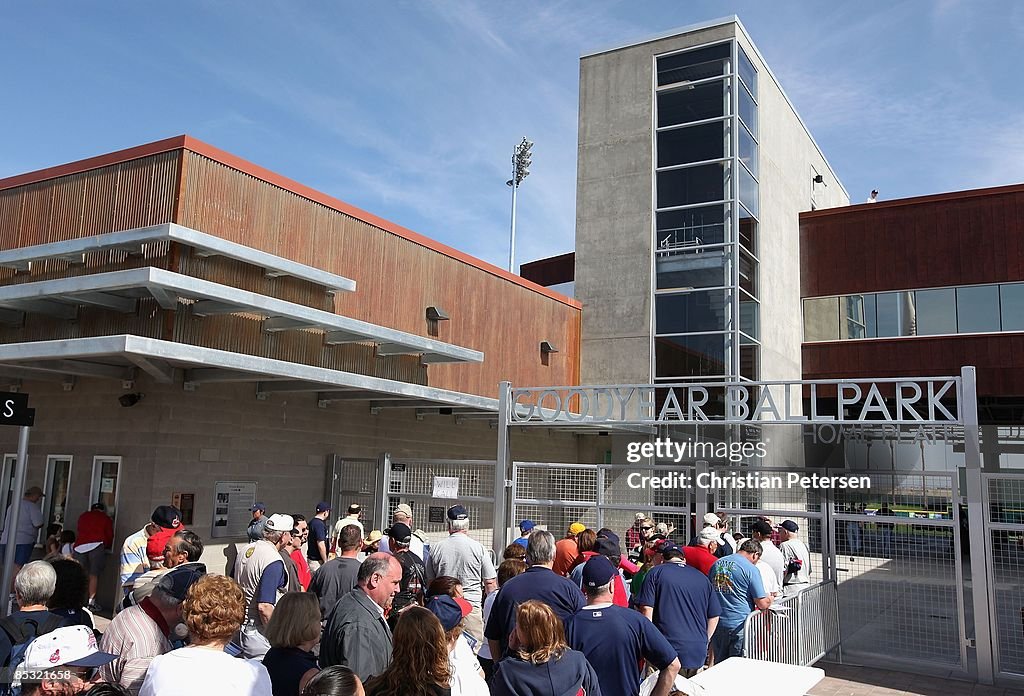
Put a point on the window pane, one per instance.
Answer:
(749, 316)
(977, 309)
(855, 319)
(896, 314)
(748, 151)
(748, 230)
(750, 362)
(692, 185)
(694, 65)
(703, 310)
(707, 269)
(870, 318)
(694, 103)
(57, 493)
(1012, 301)
(692, 144)
(681, 229)
(748, 111)
(105, 475)
(936, 312)
(691, 356)
(821, 319)
(748, 273)
(747, 73)
(748, 191)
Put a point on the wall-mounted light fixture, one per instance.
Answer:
(129, 400)
(437, 314)
(818, 179)
(546, 348)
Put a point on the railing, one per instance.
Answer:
(804, 630)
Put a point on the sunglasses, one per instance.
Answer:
(647, 528)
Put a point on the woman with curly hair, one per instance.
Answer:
(419, 664)
(540, 662)
(213, 610)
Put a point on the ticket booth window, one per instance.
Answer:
(106, 472)
(58, 480)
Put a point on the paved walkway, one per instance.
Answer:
(846, 680)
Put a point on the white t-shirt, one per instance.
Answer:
(771, 583)
(30, 520)
(791, 549)
(485, 646)
(466, 679)
(191, 671)
(771, 555)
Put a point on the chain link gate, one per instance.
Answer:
(1004, 536)
(555, 495)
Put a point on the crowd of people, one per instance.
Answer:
(310, 609)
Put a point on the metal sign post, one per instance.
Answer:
(14, 410)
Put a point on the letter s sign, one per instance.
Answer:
(8, 408)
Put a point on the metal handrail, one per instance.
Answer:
(802, 633)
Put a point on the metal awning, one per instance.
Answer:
(119, 290)
(74, 251)
(120, 357)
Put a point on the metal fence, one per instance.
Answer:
(1004, 532)
(798, 630)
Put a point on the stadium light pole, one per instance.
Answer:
(520, 170)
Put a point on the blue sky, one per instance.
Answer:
(410, 109)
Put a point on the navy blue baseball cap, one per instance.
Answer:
(258, 506)
(177, 581)
(526, 525)
(668, 546)
(597, 572)
(322, 506)
(607, 547)
(458, 512)
(450, 611)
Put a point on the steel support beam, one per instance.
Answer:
(159, 370)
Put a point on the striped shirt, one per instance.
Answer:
(136, 639)
(134, 561)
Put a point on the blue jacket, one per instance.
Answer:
(569, 675)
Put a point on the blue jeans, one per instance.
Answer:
(727, 642)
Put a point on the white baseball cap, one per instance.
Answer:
(71, 646)
(712, 518)
(281, 523)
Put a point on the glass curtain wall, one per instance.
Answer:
(706, 308)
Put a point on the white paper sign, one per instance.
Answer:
(106, 485)
(446, 486)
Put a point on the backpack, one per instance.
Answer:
(19, 636)
(414, 576)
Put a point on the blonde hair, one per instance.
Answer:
(296, 620)
(541, 635)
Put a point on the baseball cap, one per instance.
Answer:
(458, 512)
(709, 534)
(167, 516)
(640, 516)
(790, 526)
(712, 518)
(606, 533)
(322, 506)
(576, 528)
(761, 527)
(668, 546)
(281, 523)
(526, 525)
(449, 610)
(598, 571)
(258, 506)
(355, 509)
(606, 547)
(177, 581)
(399, 532)
(98, 506)
(70, 646)
(404, 509)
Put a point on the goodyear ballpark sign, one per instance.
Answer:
(14, 409)
(934, 401)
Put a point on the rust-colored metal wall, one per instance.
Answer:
(397, 279)
(998, 357)
(948, 239)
